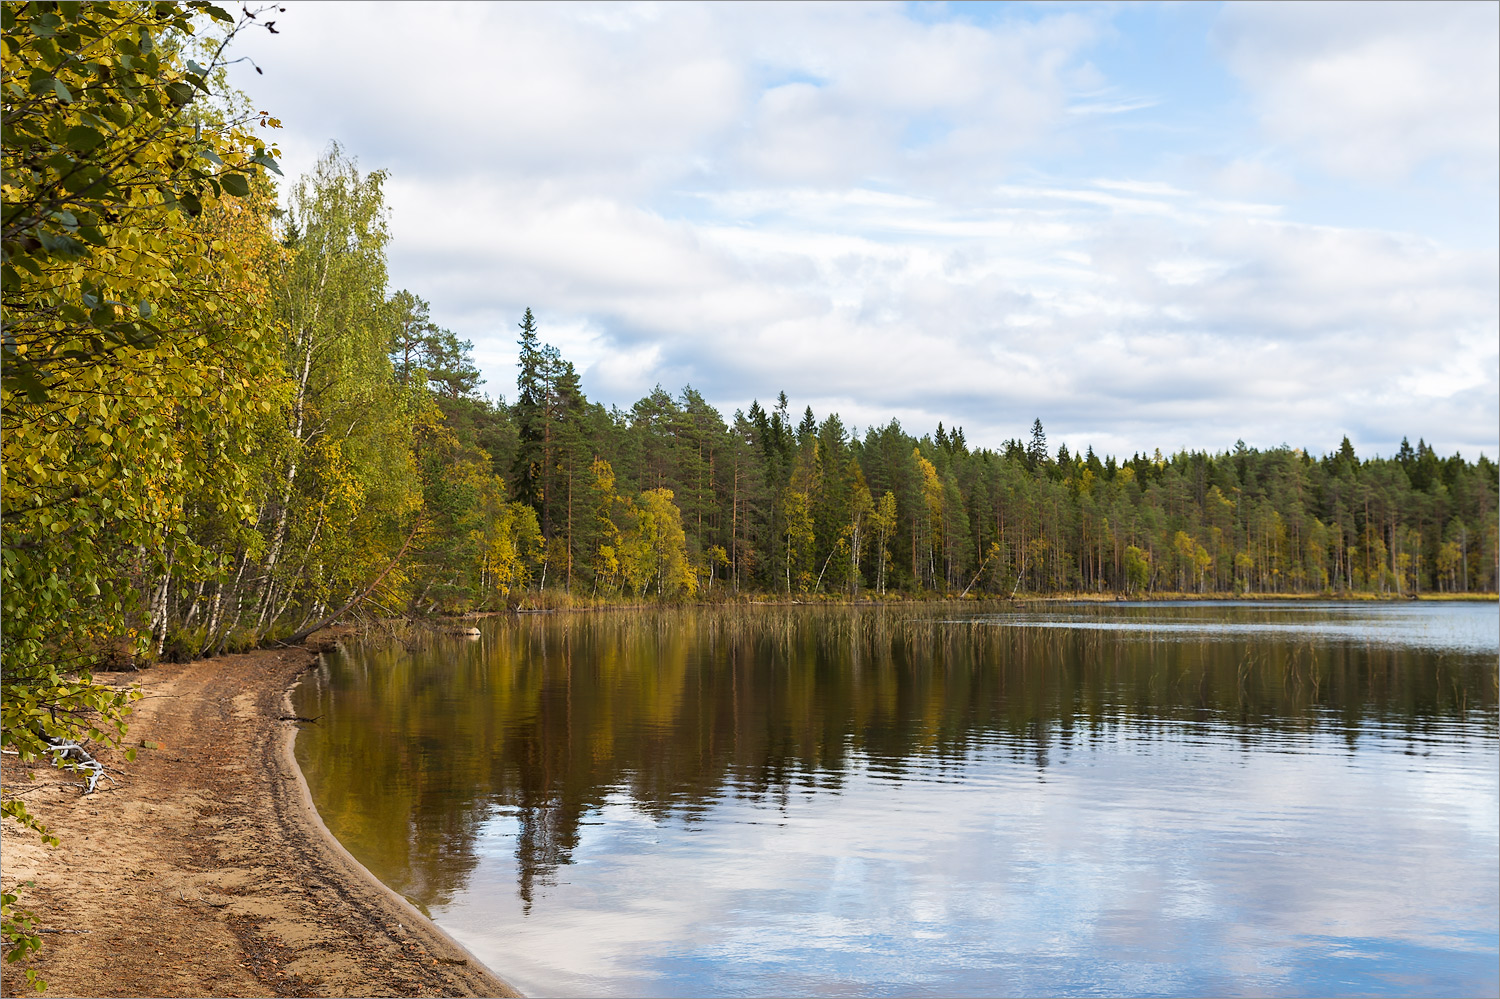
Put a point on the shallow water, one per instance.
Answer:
(1078, 799)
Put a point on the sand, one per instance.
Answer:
(205, 870)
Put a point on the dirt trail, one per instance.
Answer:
(205, 871)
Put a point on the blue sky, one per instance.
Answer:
(1149, 225)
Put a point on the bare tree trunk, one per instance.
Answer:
(299, 409)
(854, 562)
(288, 589)
(216, 620)
(192, 610)
(819, 584)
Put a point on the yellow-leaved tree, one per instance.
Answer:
(652, 549)
(134, 334)
(929, 520)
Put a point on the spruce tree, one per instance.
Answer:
(808, 428)
(1036, 451)
(531, 399)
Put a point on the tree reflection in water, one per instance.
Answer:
(547, 717)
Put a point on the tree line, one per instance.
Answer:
(770, 503)
(221, 427)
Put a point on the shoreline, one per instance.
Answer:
(205, 870)
(311, 817)
(560, 604)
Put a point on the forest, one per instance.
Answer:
(222, 428)
(776, 504)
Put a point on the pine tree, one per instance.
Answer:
(411, 336)
(1405, 455)
(568, 456)
(450, 366)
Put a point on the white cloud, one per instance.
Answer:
(1121, 105)
(1103, 313)
(1375, 90)
(841, 202)
(1245, 177)
(620, 97)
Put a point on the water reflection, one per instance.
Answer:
(877, 754)
(1445, 627)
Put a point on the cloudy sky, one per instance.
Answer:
(1148, 225)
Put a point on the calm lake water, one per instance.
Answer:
(1071, 799)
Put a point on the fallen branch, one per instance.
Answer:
(72, 756)
(994, 550)
(819, 584)
(299, 636)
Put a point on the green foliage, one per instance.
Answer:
(792, 503)
(105, 158)
(1137, 569)
(797, 554)
(660, 535)
(423, 355)
(134, 347)
(509, 545)
(18, 930)
(883, 523)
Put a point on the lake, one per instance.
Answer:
(1060, 799)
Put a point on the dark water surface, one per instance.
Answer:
(1068, 800)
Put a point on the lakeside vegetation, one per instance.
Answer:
(222, 428)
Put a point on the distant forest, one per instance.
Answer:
(772, 502)
(294, 441)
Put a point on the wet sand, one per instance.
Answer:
(205, 869)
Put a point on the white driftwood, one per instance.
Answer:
(72, 756)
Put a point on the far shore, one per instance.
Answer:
(204, 870)
(554, 602)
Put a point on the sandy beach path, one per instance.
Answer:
(205, 871)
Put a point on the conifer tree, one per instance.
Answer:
(531, 395)
(1036, 451)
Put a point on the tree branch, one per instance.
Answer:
(299, 636)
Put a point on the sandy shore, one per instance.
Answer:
(205, 871)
